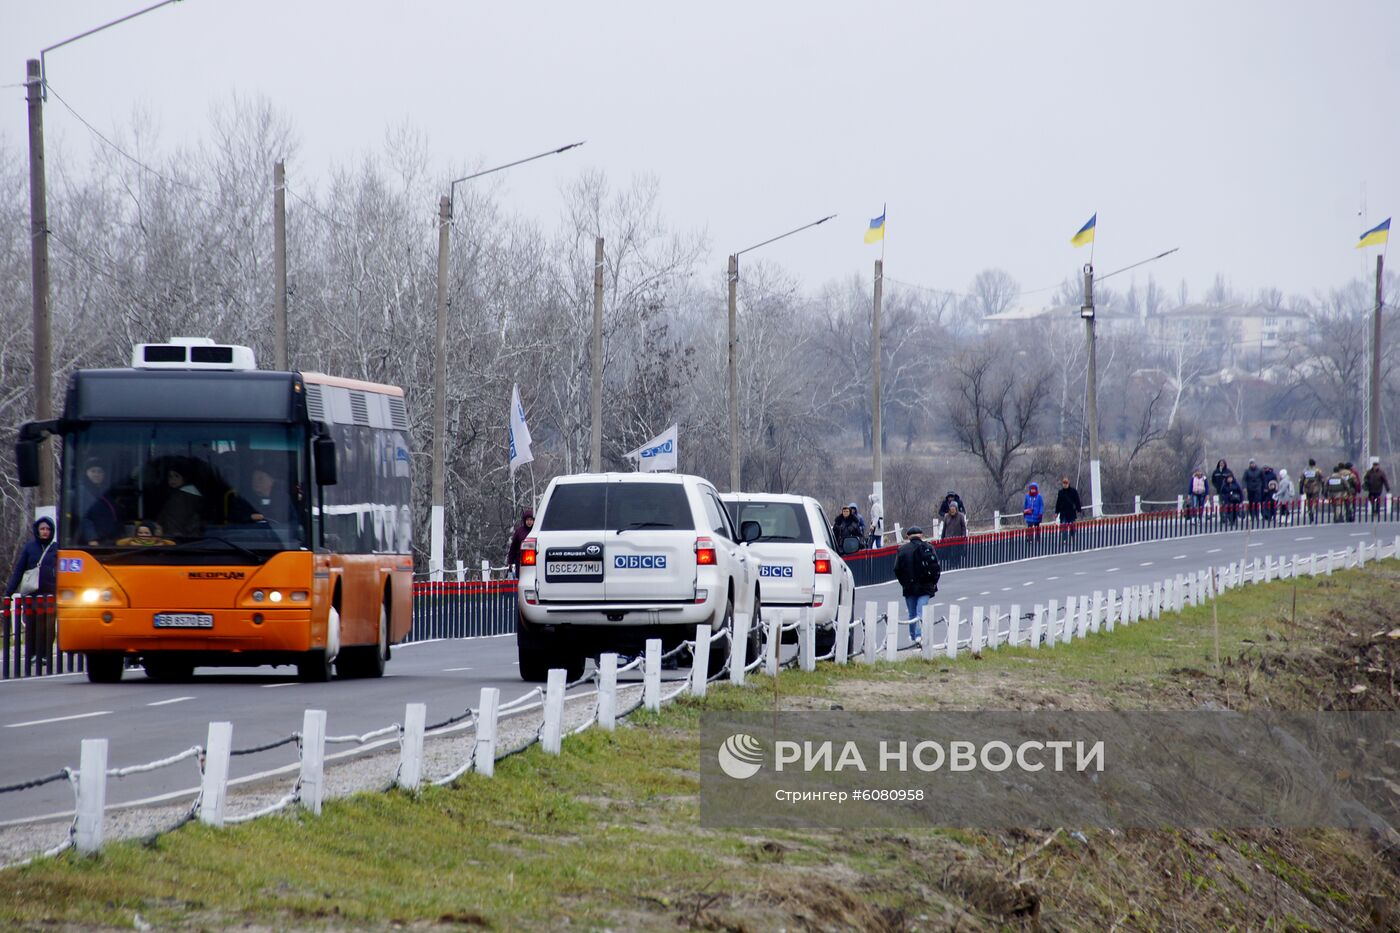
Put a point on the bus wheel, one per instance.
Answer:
(314, 667)
(367, 661)
(104, 668)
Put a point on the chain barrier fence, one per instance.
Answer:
(984, 629)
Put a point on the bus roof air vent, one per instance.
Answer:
(192, 353)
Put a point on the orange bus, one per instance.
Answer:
(214, 514)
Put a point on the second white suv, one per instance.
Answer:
(617, 558)
(798, 562)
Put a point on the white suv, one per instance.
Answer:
(798, 562)
(617, 558)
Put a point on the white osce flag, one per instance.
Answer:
(519, 433)
(659, 453)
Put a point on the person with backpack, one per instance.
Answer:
(917, 570)
(1312, 489)
(1338, 489)
(1376, 484)
(1033, 510)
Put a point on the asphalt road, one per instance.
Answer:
(43, 720)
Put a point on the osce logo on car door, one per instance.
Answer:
(639, 561)
(775, 570)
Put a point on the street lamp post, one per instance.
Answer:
(733, 282)
(439, 492)
(36, 92)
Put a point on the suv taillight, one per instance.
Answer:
(822, 564)
(705, 552)
(527, 552)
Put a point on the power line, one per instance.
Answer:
(120, 151)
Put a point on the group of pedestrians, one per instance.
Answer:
(1264, 494)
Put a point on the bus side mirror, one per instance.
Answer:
(27, 462)
(324, 450)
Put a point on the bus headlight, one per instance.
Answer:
(275, 596)
(90, 596)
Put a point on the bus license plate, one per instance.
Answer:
(184, 620)
(574, 568)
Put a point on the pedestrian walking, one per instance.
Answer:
(1312, 483)
(847, 530)
(1376, 485)
(1339, 493)
(1253, 488)
(917, 570)
(1198, 488)
(955, 531)
(1231, 498)
(1032, 510)
(34, 575)
(1269, 505)
(1067, 508)
(1284, 496)
(1217, 478)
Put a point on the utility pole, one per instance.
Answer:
(1091, 405)
(435, 561)
(734, 373)
(279, 264)
(1373, 426)
(39, 272)
(596, 458)
(876, 431)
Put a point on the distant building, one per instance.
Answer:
(1246, 334)
(1108, 321)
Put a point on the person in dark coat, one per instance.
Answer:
(517, 538)
(182, 513)
(41, 553)
(97, 515)
(1231, 498)
(848, 525)
(917, 570)
(1217, 478)
(1253, 487)
(1269, 506)
(1376, 485)
(951, 497)
(1067, 508)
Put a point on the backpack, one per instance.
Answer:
(1198, 485)
(926, 566)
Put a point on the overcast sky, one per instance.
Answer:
(1243, 132)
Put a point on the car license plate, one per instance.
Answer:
(574, 568)
(184, 620)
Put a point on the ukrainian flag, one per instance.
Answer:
(876, 233)
(1086, 232)
(1377, 235)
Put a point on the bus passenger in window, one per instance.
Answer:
(272, 501)
(182, 515)
(98, 520)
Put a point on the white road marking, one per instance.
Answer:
(290, 683)
(44, 722)
(1081, 573)
(453, 670)
(1214, 550)
(1052, 578)
(1304, 538)
(1179, 557)
(1360, 534)
(171, 700)
(1146, 563)
(1006, 589)
(1029, 583)
(985, 593)
(1257, 544)
(1111, 570)
(961, 598)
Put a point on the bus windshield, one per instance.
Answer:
(160, 492)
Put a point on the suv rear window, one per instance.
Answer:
(617, 507)
(780, 521)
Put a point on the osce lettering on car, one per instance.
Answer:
(658, 450)
(639, 561)
(799, 565)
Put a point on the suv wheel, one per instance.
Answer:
(539, 653)
(719, 650)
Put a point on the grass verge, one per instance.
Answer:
(607, 835)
